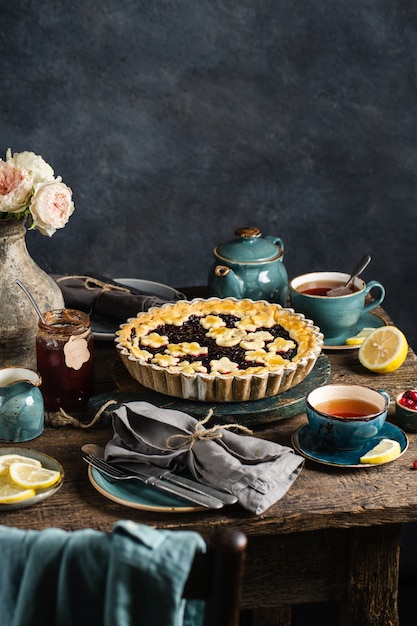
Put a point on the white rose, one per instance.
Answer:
(41, 171)
(51, 207)
(15, 187)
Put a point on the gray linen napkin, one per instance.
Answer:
(257, 471)
(100, 295)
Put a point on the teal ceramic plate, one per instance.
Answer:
(369, 320)
(48, 462)
(104, 327)
(310, 446)
(251, 414)
(136, 495)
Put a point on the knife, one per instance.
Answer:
(117, 473)
(163, 474)
(189, 483)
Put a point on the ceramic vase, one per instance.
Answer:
(18, 318)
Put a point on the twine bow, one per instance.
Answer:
(204, 433)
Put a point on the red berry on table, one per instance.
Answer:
(415, 464)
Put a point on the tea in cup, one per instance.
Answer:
(346, 416)
(334, 315)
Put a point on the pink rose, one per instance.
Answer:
(39, 169)
(51, 207)
(15, 187)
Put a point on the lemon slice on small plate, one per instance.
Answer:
(31, 476)
(11, 494)
(7, 459)
(30, 457)
(386, 450)
(358, 339)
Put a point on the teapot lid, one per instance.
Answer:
(248, 247)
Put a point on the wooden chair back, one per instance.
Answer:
(217, 577)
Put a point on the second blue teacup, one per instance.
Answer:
(333, 315)
(346, 416)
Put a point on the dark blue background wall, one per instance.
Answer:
(175, 122)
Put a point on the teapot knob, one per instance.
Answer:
(249, 231)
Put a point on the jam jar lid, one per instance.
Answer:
(248, 247)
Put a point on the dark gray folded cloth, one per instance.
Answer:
(101, 295)
(257, 471)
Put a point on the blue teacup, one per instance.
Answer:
(346, 416)
(334, 315)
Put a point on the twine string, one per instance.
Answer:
(91, 283)
(201, 434)
(62, 418)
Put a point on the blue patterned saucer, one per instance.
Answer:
(306, 443)
(368, 320)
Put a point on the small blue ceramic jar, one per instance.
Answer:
(21, 405)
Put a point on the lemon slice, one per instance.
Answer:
(384, 350)
(9, 493)
(26, 475)
(386, 450)
(358, 339)
(8, 459)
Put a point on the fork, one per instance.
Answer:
(117, 473)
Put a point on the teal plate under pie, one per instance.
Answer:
(251, 414)
(137, 495)
(306, 443)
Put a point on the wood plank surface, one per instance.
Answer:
(334, 536)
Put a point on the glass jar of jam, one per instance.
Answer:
(65, 359)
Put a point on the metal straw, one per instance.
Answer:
(31, 298)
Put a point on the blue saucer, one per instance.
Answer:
(306, 443)
(369, 320)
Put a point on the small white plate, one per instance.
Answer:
(104, 328)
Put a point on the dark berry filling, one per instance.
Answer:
(191, 330)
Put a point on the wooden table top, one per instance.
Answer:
(321, 497)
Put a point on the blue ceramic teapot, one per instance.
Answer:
(250, 266)
(21, 405)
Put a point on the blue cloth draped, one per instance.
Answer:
(133, 576)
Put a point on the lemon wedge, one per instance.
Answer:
(384, 350)
(31, 476)
(386, 450)
(9, 493)
(7, 459)
(358, 339)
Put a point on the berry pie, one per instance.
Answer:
(219, 350)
